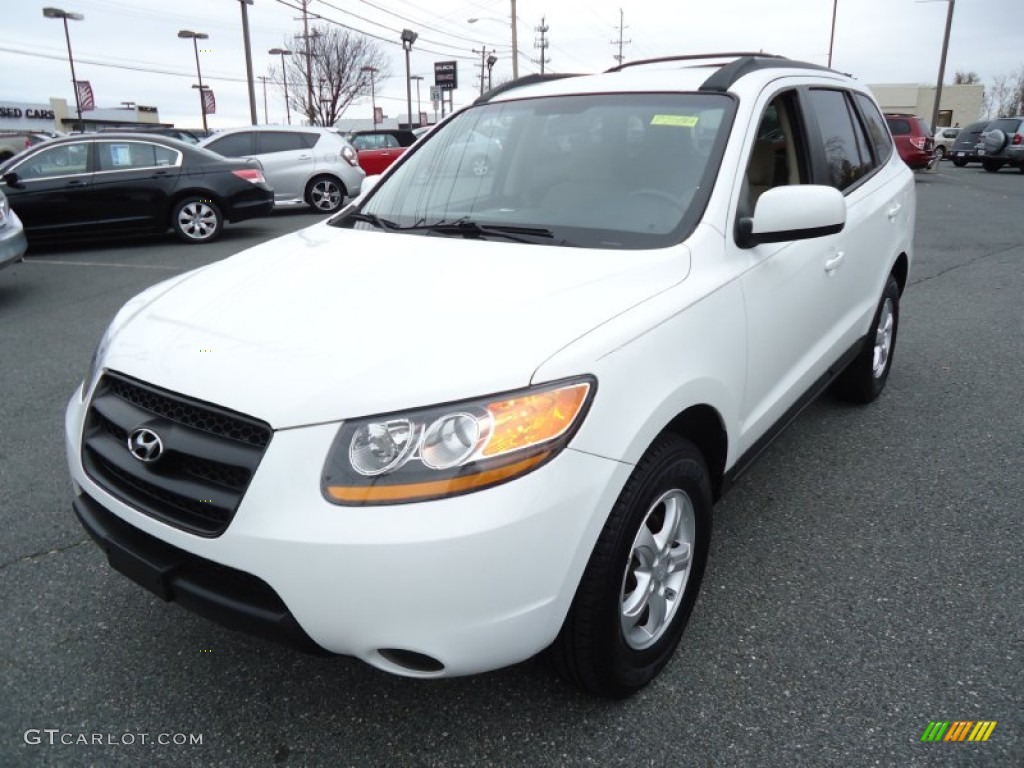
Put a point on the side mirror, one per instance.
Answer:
(11, 180)
(797, 212)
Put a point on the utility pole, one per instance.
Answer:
(309, 59)
(832, 38)
(620, 42)
(543, 43)
(483, 65)
(248, 60)
(263, 79)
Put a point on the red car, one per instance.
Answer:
(378, 149)
(914, 140)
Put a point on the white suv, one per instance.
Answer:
(476, 417)
(306, 165)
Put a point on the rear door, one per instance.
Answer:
(51, 188)
(287, 159)
(133, 183)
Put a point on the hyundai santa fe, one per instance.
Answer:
(474, 417)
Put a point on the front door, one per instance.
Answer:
(50, 190)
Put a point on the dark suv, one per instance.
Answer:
(1002, 143)
(914, 140)
(964, 149)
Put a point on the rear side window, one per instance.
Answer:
(280, 141)
(844, 144)
(1004, 124)
(899, 126)
(234, 145)
(875, 126)
(126, 155)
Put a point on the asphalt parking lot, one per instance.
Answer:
(865, 576)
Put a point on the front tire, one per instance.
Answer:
(641, 583)
(864, 378)
(197, 220)
(940, 153)
(325, 193)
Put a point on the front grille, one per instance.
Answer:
(209, 454)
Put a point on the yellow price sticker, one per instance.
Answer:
(681, 121)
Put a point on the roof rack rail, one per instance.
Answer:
(723, 79)
(520, 82)
(743, 63)
(692, 57)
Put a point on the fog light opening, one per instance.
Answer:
(411, 660)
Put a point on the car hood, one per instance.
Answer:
(327, 324)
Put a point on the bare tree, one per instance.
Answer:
(966, 78)
(1005, 97)
(341, 64)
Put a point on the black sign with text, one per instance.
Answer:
(446, 74)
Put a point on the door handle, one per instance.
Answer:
(832, 264)
(893, 212)
(76, 183)
(304, 157)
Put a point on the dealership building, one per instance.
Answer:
(58, 115)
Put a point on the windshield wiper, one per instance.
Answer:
(372, 218)
(468, 228)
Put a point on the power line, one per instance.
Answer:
(387, 40)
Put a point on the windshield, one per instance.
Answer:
(604, 171)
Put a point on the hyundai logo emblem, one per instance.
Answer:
(145, 445)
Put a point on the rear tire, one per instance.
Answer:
(643, 577)
(992, 166)
(197, 220)
(940, 153)
(864, 379)
(325, 193)
(959, 162)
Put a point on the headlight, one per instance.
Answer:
(448, 450)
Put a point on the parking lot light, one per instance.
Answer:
(187, 34)
(57, 13)
(282, 52)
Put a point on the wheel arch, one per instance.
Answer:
(901, 270)
(703, 426)
(205, 194)
(316, 175)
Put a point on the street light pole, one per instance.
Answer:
(491, 61)
(419, 105)
(282, 52)
(248, 59)
(515, 42)
(57, 13)
(373, 96)
(408, 38)
(186, 34)
(832, 39)
(942, 63)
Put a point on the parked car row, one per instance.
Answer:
(993, 143)
(106, 183)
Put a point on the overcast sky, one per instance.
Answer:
(878, 41)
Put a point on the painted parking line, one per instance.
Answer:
(101, 264)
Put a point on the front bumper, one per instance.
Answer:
(474, 582)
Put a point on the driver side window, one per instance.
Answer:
(777, 157)
(65, 160)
